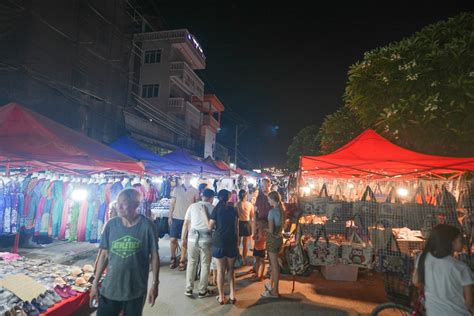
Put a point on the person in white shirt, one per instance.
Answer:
(198, 243)
(446, 281)
(181, 198)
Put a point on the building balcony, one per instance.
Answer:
(181, 40)
(184, 77)
(208, 120)
(181, 106)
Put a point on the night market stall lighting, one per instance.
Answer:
(79, 194)
(402, 192)
(195, 182)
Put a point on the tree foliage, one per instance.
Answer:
(306, 142)
(419, 92)
(338, 129)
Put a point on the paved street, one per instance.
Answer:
(313, 295)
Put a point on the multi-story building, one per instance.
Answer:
(69, 60)
(167, 91)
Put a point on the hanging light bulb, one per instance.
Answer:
(79, 194)
(402, 192)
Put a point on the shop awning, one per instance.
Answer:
(30, 139)
(154, 163)
(369, 155)
(182, 157)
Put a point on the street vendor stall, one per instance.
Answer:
(372, 204)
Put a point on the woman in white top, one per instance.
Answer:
(245, 210)
(446, 281)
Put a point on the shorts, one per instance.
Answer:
(259, 253)
(244, 229)
(176, 228)
(274, 243)
(230, 252)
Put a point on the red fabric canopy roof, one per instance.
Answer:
(369, 155)
(30, 139)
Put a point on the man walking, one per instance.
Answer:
(128, 243)
(199, 243)
(181, 198)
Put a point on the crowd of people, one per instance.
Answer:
(213, 227)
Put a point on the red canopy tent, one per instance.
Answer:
(369, 155)
(28, 139)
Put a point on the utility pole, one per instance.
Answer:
(236, 144)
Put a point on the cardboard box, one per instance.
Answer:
(340, 272)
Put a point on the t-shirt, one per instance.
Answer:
(244, 209)
(185, 196)
(129, 250)
(225, 235)
(196, 217)
(262, 205)
(444, 282)
(275, 216)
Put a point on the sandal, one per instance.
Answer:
(232, 301)
(182, 266)
(268, 287)
(220, 302)
(173, 264)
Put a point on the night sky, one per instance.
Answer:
(287, 66)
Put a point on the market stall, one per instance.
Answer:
(371, 205)
(55, 183)
(53, 289)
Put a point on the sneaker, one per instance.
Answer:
(45, 300)
(188, 293)
(39, 305)
(54, 296)
(204, 294)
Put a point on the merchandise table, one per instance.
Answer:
(76, 305)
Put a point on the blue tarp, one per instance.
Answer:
(184, 158)
(154, 163)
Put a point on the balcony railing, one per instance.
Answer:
(210, 121)
(182, 72)
(185, 43)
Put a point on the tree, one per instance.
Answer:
(338, 129)
(419, 92)
(306, 142)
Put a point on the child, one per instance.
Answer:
(213, 274)
(259, 251)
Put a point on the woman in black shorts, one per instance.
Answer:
(224, 219)
(245, 210)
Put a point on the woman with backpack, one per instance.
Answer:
(446, 281)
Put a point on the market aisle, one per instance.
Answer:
(326, 298)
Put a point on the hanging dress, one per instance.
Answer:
(68, 187)
(4, 217)
(92, 210)
(41, 206)
(98, 223)
(82, 220)
(33, 205)
(57, 209)
(45, 229)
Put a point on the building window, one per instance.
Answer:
(153, 56)
(150, 90)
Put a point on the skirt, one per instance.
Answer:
(245, 229)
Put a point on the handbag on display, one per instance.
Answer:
(338, 207)
(391, 210)
(316, 205)
(365, 210)
(394, 261)
(416, 211)
(359, 254)
(295, 256)
(379, 195)
(322, 252)
(380, 235)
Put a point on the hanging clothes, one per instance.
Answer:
(6, 207)
(67, 192)
(101, 212)
(34, 202)
(57, 208)
(92, 211)
(82, 220)
(41, 206)
(14, 197)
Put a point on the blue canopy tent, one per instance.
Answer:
(154, 163)
(184, 158)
